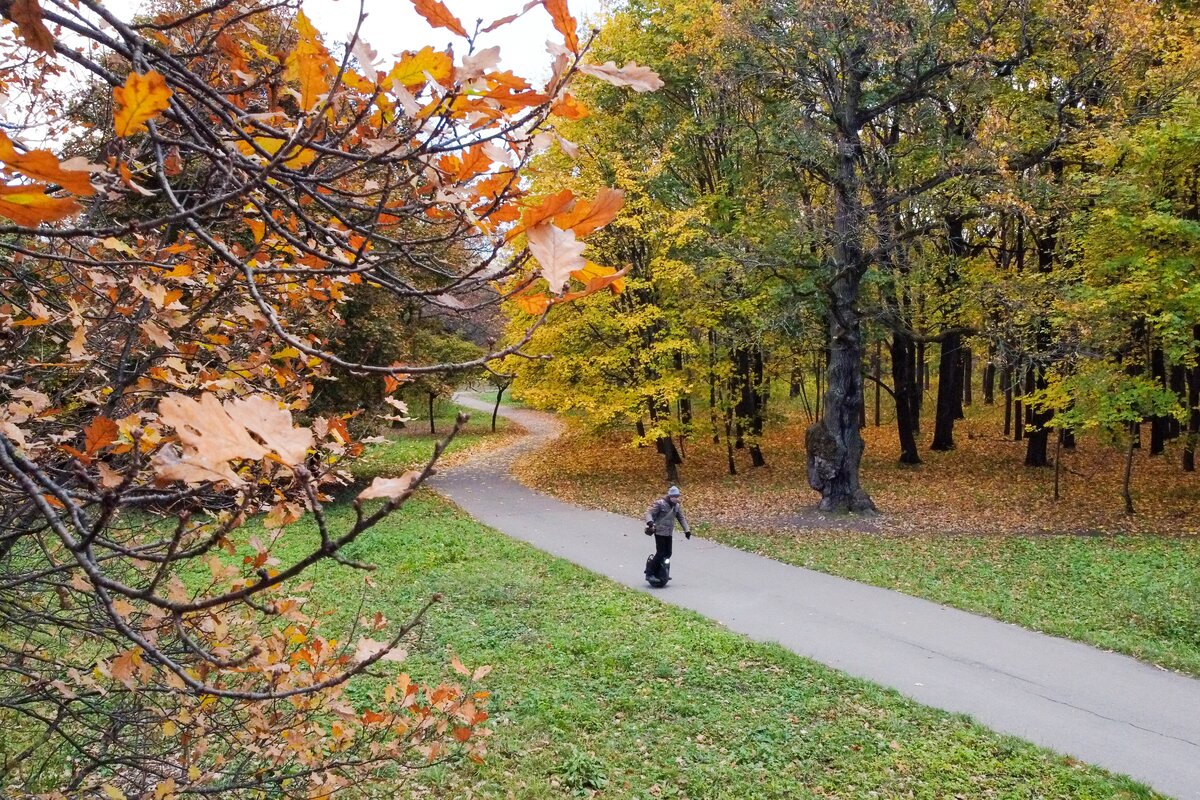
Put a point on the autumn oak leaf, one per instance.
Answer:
(586, 217)
(369, 648)
(390, 488)
(564, 23)
(438, 16)
(263, 417)
(41, 165)
(559, 253)
(31, 206)
(636, 77)
(27, 15)
(142, 98)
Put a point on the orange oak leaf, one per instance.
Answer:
(636, 77)
(511, 17)
(533, 304)
(570, 108)
(309, 64)
(100, 433)
(41, 165)
(438, 16)
(558, 251)
(587, 217)
(27, 15)
(546, 208)
(142, 98)
(30, 205)
(564, 23)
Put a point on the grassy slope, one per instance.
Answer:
(596, 687)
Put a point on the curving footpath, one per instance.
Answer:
(1099, 707)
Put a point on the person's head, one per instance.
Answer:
(674, 495)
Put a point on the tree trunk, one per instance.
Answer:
(665, 444)
(1006, 386)
(432, 427)
(712, 386)
(1159, 426)
(949, 396)
(908, 395)
(989, 378)
(496, 408)
(1125, 484)
(1058, 465)
(922, 368)
(685, 400)
(968, 369)
(1193, 428)
(877, 367)
(835, 444)
(1038, 438)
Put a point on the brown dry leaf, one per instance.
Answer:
(390, 488)
(635, 76)
(367, 648)
(27, 15)
(559, 253)
(210, 438)
(264, 417)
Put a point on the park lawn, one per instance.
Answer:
(1138, 595)
(972, 528)
(412, 446)
(602, 691)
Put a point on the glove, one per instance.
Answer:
(687, 534)
(649, 528)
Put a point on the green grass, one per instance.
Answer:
(601, 691)
(413, 445)
(1134, 594)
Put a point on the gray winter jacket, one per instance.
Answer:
(663, 514)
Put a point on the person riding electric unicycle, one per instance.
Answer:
(660, 523)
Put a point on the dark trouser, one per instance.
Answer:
(662, 547)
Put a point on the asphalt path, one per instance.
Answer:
(1099, 707)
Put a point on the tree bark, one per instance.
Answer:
(835, 443)
(908, 395)
(1038, 437)
(989, 378)
(1193, 428)
(1159, 426)
(877, 367)
(496, 408)
(1125, 484)
(949, 396)
(968, 369)
(432, 427)
(1006, 387)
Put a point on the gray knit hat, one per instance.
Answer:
(674, 492)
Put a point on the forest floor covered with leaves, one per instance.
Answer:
(972, 528)
(598, 691)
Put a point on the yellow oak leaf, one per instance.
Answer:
(142, 98)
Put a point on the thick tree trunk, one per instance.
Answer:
(665, 444)
(835, 443)
(908, 395)
(1037, 442)
(949, 396)
(1159, 426)
(685, 400)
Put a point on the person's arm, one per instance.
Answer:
(650, 518)
(687, 529)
